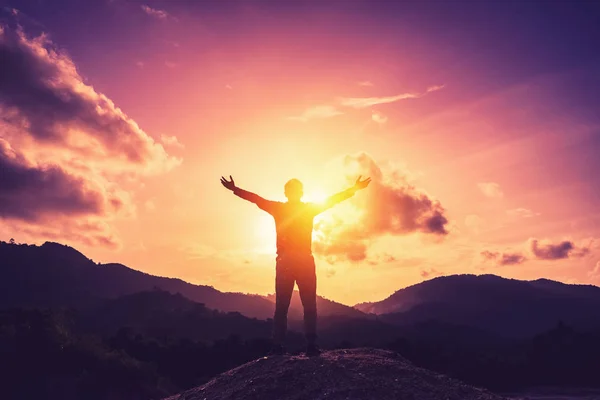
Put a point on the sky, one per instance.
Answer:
(478, 122)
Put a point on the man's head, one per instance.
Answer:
(294, 190)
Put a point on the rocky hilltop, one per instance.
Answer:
(356, 374)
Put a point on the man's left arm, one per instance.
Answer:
(343, 195)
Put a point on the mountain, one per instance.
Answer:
(325, 307)
(161, 314)
(360, 374)
(508, 307)
(57, 275)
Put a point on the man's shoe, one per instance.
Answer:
(277, 350)
(312, 350)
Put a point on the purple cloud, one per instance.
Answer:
(556, 251)
(503, 258)
(42, 95)
(30, 192)
(64, 148)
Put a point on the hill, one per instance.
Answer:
(53, 275)
(508, 307)
(161, 314)
(341, 374)
(325, 306)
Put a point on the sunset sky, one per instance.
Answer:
(478, 122)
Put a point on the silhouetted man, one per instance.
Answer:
(295, 263)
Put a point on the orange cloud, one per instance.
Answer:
(595, 273)
(521, 213)
(171, 141)
(490, 189)
(364, 102)
(379, 118)
(327, 111)
(389, 206)
(316, 112)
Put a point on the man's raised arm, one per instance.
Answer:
(263, 204)
(343, 195)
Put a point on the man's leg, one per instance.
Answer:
(284, 286)
(307, 285)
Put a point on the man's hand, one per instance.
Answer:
(228, 184)
(361, 184)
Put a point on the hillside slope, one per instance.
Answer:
(502, 306)
(57, 275)
(341, 374)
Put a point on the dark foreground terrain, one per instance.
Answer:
(340, 374)
(73, 329)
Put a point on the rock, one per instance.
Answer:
(355, 374)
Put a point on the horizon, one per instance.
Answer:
(324, 297)
(117, 119)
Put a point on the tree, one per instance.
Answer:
(11, 241)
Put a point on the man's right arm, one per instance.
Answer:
(262, 203)
(252, 197)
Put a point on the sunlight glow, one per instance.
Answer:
(315, 196)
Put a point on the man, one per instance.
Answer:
(295, 263)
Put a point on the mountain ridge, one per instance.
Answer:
(54, 274)
(510, 307)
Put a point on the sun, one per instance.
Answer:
(315, 196)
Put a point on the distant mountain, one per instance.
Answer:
(157, 313)
(503, 306)
(57, 275)
(325, 307)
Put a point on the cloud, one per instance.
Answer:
(556, 251)
(521, 213)
(389, 206)
(490, 189)
(435, 88)
(594, 274)
(156, 13)
(43, 96)
(150, 206)
(330, 272)
(365, 83)
(317, 112)
(473, 222)
(170, 64)
(326, 111)
(503, 258)
(173, 43)
(93, 233)
(364, 102)
(28, 192)
(171, 141)
(430, 273)
(379, 118)
(140, 64)
(65, 149)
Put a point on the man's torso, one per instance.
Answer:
(294, 226)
